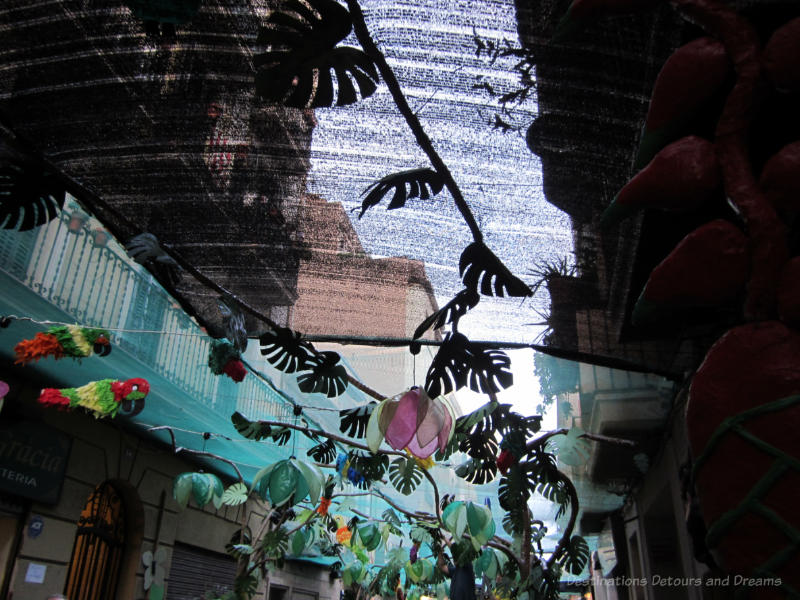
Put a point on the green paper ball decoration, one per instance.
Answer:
(287, 482)
(203, 487)
(468, 518)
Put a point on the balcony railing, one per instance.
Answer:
(75, 265)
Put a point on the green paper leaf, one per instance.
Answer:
(573, 450)
(370, 536)
(477, 519)
(182, 488)
(298, 541)
(282, 483)
(201, 488)
(374, 433)
(252, 430)
(313, 478)
(261, 480)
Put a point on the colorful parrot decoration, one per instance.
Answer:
(104, 398)
(224, 357)
(64, 340)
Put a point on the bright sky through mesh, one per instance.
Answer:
(430, 45)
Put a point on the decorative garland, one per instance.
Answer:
(104, 398)
(223, 357)
(73, 341)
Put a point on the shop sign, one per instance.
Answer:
(33, 459)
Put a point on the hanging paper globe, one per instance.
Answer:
(411, 421)
(287, 482)
(370, 536)
(419, 571)
(203, 487)
(475, 520)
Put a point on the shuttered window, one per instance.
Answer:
(195, 572)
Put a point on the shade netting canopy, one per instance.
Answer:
(163, 132)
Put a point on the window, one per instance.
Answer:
(99, 545)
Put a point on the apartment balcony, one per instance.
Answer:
(72, 271)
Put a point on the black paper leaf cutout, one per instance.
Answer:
(327, 376)
(448, 371)
(252, 430)
(450, 312)
(415, 183)
(371, 466)
(296, 69)
(480, 446)
(480, 268)
(478, 471)
(281, 435)
(405, 474)
(324, 452)
(459, 363)
(233, 319)
(29, 195)
(145, 247)
(354, 420)
(576, 555)
(285, 350)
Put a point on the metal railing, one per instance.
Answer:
(77, 267)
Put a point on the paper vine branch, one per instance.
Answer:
(305, 510)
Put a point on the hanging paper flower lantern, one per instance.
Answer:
(63, 340)
(104, 398)
(462, 518)
(223, 357)
(287, 482)
(203, 487)
(411, 421)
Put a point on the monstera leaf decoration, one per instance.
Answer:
(29, 196)
(327, 376)
(324, 452)
(285, 349)
(405, 475)
(477, 471)
(416, 183)
(354, 420)
(482, 271)
(450, 312)
(576, 556)
(459, 363)
(296, 68)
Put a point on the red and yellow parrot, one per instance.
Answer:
(104, 398)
